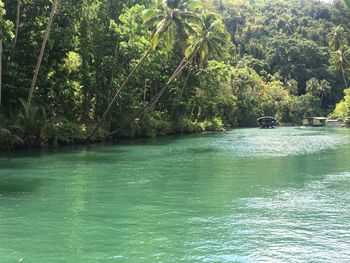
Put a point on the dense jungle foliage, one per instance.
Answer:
(87, 70)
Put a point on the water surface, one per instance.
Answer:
(247, 195)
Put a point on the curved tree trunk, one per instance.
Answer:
(40, 58)
(176, 73)
(185, 84)
(154, 100)
(118, 92)
(174, 106)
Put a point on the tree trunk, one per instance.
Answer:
(199, 113)
(185, 84)
(176, 73)
(46, 36)
(178, 70)
(118, 92)
(344, 78)
(17, 25)
(192, 110)
(321, 99)
(0, 65)
(174, 106)
(147, 83)
(14, 41)
(154, 100)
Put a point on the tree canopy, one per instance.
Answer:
(113, 68)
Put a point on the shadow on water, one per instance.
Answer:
(95, 147)
(202, 150)
(15, 186)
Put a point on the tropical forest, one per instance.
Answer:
(85, 70)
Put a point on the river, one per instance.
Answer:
(246, 195)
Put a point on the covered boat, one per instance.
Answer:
(267, 122)
(315, 121)
(334, 123)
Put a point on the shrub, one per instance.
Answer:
(68, 132)
(186, 125)
(153, 125)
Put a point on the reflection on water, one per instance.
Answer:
(248, 195)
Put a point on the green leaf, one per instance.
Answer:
(194, 5)
(150, 14)
(155, 40)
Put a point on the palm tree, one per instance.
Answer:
(324, 89)
(337, 38)
(211, 40)
(318, 88)
(312, 86)
(171, 19)
(43, 45)
(340, 60)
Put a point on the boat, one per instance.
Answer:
(314, 121)
(267, 122)
(334, 123)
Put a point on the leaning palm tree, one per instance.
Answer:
(210, 41)
(171, 19)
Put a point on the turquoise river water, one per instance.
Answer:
(247, 195)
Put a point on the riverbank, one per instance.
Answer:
(62, 133)
(44, 135)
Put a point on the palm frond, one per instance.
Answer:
(150, 14)
(194, 5)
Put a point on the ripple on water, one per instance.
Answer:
(294, 225)
(203, 198)
(261, 143)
